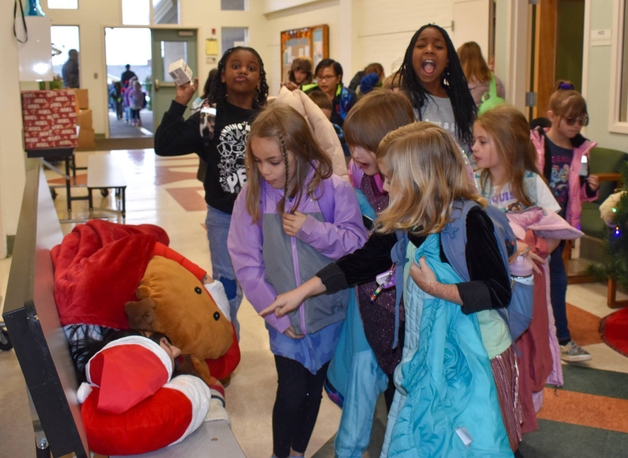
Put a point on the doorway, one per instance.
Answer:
(557, 48)
(129, 60)
(169, 46)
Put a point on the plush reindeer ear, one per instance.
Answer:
(141, 314)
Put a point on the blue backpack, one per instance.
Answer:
(454, 239)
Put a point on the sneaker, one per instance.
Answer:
(572, 352)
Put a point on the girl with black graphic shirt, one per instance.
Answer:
(218, 135)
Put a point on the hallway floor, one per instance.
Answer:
(587, 416)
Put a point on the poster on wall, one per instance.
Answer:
(312, 42)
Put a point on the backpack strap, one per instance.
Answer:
(398, 255)
(454, 238)
(207, 121)
(492, 88)
(547, 167)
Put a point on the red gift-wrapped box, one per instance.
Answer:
(49, 119)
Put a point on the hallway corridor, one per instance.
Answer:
(588, 417)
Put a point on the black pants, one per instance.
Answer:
(299, 395)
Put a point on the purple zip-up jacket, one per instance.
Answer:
(577, 193)
(332, 240)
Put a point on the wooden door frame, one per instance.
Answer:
(545, 54)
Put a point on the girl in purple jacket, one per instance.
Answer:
(560, 151)
(292, 218)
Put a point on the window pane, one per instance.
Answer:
(166, 11)
(233, 5)
(234, 36)
(135, 12)
(62, 4)
(172, 51)
(118, 53)
(63, 39)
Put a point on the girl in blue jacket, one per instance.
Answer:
(292, 218)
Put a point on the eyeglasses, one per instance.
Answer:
(582, 120)
(326, 77)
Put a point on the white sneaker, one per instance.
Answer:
(572, 352)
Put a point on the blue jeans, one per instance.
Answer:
(217, 223)
(558, 292)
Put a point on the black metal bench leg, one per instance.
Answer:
(89, 199)
(67, 182)
(42, 449)
(123, 194)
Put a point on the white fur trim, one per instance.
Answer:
(199, 395)
(84, 390)
(217, 412)
(217, 291)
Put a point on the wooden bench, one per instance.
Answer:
(32, 320)
(104, 173)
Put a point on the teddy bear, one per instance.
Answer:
(103, 270)
(166, 288)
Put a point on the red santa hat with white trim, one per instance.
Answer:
(131, 406)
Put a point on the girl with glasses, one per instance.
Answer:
(560, 151)
(328, 74)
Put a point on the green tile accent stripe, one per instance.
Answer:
(597, 382)
(563, 440)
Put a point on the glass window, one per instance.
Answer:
(119, 53)
(172, 51)
(233, 5)
(63, 39)
(135, 12)
(166, 11)
(63, 4)
(234, 36)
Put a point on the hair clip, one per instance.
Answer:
(566, 86)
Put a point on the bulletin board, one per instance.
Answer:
(312, 42)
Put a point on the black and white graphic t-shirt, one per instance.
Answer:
(226, 174)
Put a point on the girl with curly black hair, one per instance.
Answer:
(218, 133)
(433, 79)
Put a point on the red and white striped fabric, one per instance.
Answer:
(131, 406)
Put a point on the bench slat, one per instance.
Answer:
(104, 172)
(212, 439)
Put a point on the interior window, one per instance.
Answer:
(135, 12)
(63, 38)
(166, 11)
(233, 5)
(63, 4)
(234, 36)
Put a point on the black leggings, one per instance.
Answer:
(299, 395)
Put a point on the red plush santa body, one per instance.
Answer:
(130, 403)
